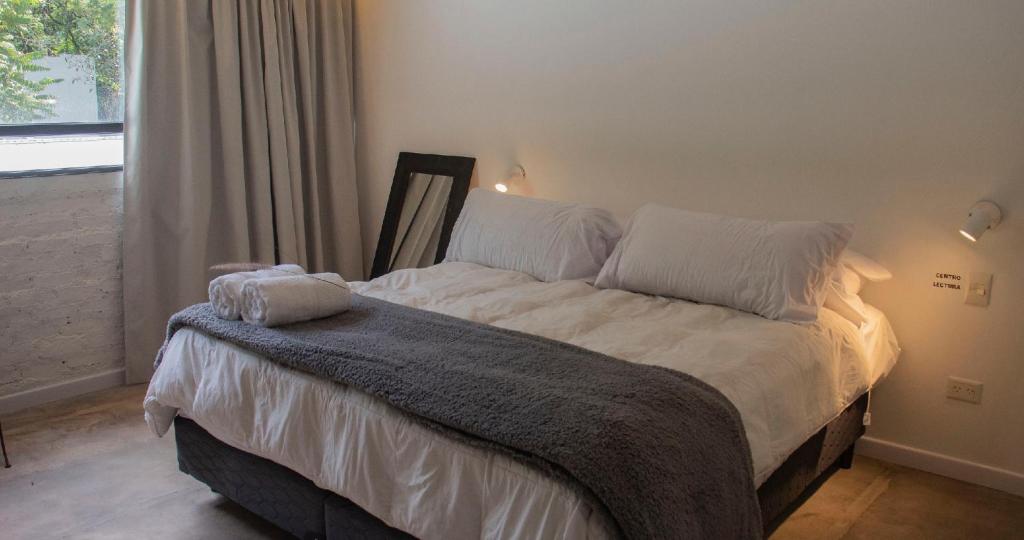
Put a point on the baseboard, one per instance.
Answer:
(45, 394)
(943, 465)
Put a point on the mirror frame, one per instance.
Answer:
(458, 167)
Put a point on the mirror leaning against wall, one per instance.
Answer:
(427, 194)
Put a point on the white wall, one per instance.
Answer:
(60, 287)
(895, 115)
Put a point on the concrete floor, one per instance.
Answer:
(88, 467)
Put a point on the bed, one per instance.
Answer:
(800, 390)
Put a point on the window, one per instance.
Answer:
(61, 86)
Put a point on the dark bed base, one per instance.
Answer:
(810, 465)
(275, 493)
(290, 501)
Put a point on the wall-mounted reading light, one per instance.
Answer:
(984, 215)
(518, 175)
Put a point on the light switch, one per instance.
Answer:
(978, 289)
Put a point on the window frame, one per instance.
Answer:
(61, 128)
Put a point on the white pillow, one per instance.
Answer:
(549, 240)
(842, 295)
(778, 270)
(866, 267)
(846, 279)
(847, 304)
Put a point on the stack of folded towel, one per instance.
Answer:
(278, 295)
(283, 300)
(226, 291)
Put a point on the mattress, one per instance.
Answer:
(786, 380)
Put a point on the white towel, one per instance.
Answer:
(226, 291)
(275, 301)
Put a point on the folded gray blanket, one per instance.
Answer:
(664, 454)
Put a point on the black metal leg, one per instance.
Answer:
(845, 460)
(3, 447)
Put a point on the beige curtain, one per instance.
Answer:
(238, 147)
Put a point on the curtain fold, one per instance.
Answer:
(239, 146)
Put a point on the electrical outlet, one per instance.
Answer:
(963, 389)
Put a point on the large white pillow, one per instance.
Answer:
(778, 270)
(549, 240)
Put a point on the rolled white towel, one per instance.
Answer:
(275, 301)
(226, 291)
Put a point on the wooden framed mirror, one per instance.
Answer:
(426, 197)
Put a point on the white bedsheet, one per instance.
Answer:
(786, 380)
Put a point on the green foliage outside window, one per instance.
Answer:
(32, 29)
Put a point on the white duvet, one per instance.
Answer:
(786, 380)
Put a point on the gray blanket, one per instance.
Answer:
(663, 453)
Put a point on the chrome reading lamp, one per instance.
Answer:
(517, 176)
(984, 215)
